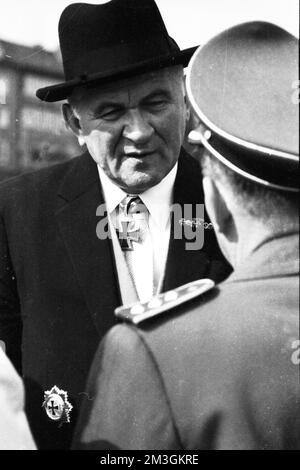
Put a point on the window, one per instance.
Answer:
(3, 91)
(4, 117)
(43, 121)
(4, 151)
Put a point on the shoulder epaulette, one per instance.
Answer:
(138, 312)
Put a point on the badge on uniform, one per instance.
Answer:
(56, 405)
(141, 311)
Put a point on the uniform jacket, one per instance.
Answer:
(218, 372)
(14, 430)
(58, 281)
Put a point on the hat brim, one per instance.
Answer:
(277, 171)
(63, 90)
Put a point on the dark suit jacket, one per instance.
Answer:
(218, 372)
(58, 282)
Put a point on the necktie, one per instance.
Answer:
(136, 243)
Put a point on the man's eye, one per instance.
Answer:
(156, 104)
(110, 115)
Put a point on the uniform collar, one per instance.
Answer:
(157, 199)
(278, 256)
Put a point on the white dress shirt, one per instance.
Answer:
(158, 201)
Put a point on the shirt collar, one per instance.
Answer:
(157, 199)
(112, 193)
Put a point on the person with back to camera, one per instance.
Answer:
(217, 367)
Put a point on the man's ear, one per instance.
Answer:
(72, 122)
(216, 207)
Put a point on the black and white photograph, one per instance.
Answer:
(149, 228)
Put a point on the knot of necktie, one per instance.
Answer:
(133, 205)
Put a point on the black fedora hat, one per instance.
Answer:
(111, 41)
(243, 86)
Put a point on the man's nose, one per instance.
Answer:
(137, 128)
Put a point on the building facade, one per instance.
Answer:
(32, 132)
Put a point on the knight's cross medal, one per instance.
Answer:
(128, 235)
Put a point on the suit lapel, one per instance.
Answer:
(92, 258)
(184, 265)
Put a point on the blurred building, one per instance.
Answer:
(32, 133)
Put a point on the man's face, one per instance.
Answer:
(134, 129)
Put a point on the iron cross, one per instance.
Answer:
(127, 236)
(52, 408)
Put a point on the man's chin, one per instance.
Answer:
(139, 184)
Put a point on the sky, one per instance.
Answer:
(189, 22)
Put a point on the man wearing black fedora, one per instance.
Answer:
(217, 368)
(63, 270)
